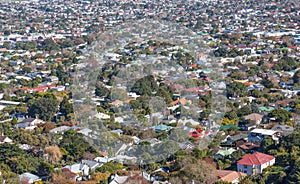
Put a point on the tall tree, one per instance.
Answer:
(44, 107)
(53, 154)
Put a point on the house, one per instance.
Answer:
(132, 178)
(161, 127)
(29, 123)
(257, 135)
(116, 179)
(257, 118)
(283, 129)
(102, 116)
(230, 176)
(248, 147)
(247, 125)
(28, 178)
(186, 145)
(60, 129)
(4, 139)
(70, 175)
(117, 131)
(85, 131)
(92, 164)
(232, 140)
(82, 170)
(224, 153)
(255, 163)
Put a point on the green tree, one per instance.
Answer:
(294, 175)
(281, 115)
(110, 167)
(44, 108)
(236, 89)
(75, 145)
(296, 78)
(245, 110)
(49, 45)
(267, 83)
(145, 86)
(267, 144)
(231, 115)
(66, 107)
(101, 90)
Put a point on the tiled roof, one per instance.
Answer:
(229, 176)
(256, 158)
(254, 117)
(181, 101)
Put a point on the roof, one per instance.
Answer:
(226, 152)
(28, 176)
(68, 173)
(5, 139)
(76, 168)
(118, 179)
(229, 176)
(263, 131)
(162, 127)
(254, 117)
(226, 127)
(181, 101)
(90, 163)
(248, 146)
(283, 128)
(28, 120)
(266, 108)
(238, 137)
(256, 158)
(60, 129)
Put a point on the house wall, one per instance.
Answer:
(267, 164)
(245, 169)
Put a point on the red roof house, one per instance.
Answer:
(255, 163)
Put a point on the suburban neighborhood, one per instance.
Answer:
(154, 111)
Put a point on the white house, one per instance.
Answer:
(255, 163)
(29, 123)
(28, 178)
(4, 139)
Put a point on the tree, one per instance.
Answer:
(294, 175)
(49, 45)
(44, 107)
(297, 109)
(99, 177)
(281, 115)
(231, 115)
(18, 161)
(199, 171)
(267, 83)
(236, 89)
(227, 121)
(296, 78)
(163, 92)
(101, 90)
(75, 145)
(60, 178)
(66, 107)
(267, 144)
(110, 167)
(53, 154)
(245, 110)
(145, 86)
(44, 169)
